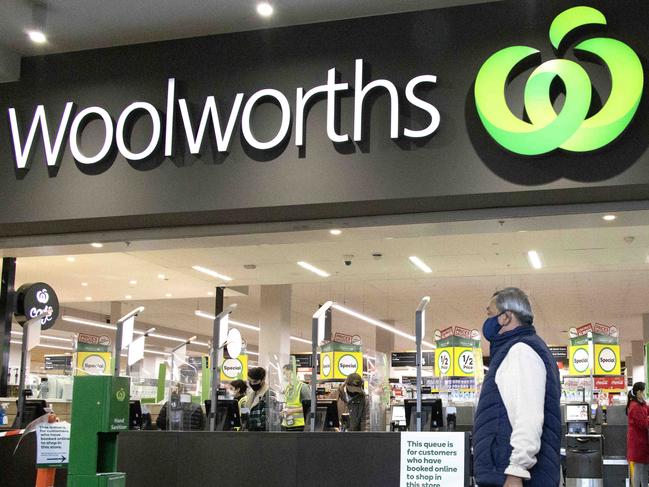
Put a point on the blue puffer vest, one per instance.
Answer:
(492, 430)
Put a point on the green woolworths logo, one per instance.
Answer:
(569, 129)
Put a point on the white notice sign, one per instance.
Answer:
(432, 460)
(53, 440)
(136, 351)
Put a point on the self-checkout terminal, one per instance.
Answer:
(584, 446)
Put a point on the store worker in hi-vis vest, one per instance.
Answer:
(295, 392)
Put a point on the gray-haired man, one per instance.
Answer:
(517, 432)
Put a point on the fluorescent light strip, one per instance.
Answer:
(301, 340)
(212, 273)
(83, 321)
(43, 345)
(252, 353)
(378, 323)
(420, 263)
(97, 324)
(244, 325)
(49, 337)
(166, 354)
(315, 270)
(534, 259)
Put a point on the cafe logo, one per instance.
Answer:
(347, 364)
(580, 360)
(607, 359)
(569, 129)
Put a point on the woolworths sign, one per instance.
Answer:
(571, 129)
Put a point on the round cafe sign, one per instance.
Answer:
(36, 299)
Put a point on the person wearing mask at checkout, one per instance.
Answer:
(637, 441)
(353, 403)
(239, 389)
(295, 392)
(254, 406)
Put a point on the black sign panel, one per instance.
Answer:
(303, 360)
(365, 164)
(408, 359)
(58, 362)
(35, 299)
(560, 354)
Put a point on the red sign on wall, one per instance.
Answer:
(610, 383)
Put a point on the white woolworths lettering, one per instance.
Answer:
(223, 135)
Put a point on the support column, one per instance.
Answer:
(275, 324)
(637, 366)
(7, 304)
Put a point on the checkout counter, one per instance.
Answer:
(594, 446)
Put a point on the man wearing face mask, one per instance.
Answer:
(517, 432)
(255, 404)
(295, 392)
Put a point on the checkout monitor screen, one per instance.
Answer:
(577, 413)
(399, 414)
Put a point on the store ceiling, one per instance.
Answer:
(88, 24)
(598, 272)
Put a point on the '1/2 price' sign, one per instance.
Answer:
(432, 459)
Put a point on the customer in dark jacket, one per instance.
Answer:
(254, 407)
(637, 442)
(352, 400)
(177, 416)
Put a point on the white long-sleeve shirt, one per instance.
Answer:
(521, 380)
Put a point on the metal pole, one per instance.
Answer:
(7, 308)
(420, 324)
(215, 366)
(218, 309)
(23, 371)
(318, 333)
(118, 348)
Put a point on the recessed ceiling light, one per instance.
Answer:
(97, 245)
(37, 37)
(212, 273)
(609, 218)
(132, 282)
(168, 295)
(210, 293)
(128, 296)
(84, 284)
(420, 263)
(335, 231)
(315, 270)
(265, 9)
(70, 259)
(534, 259)
(88, 298)
(161, 276)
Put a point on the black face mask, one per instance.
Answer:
(255, 387)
